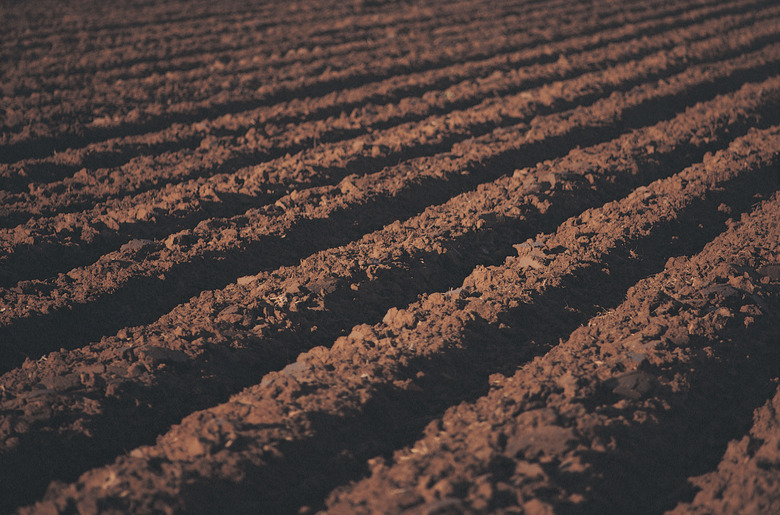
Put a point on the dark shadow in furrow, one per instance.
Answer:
(217, 51)
(365, 165)
(27, 149)
(361, 33)
(143, 300)
(48, 259)
(233, 204)
(245, 13)
(244, 159)
(357, 33)
(105, 159)
(123, 425)
(113, 432)
(47, 145)
(650, 472)
(651, 476)
(58, 31)
(395, 418)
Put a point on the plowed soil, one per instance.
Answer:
(432, 257)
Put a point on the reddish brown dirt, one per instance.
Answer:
(438, 257)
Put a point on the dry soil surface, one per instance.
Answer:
(433, 256)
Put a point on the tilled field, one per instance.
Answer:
(438, 257)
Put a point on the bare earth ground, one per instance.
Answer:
(433, 257)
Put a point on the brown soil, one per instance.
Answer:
(436, 257)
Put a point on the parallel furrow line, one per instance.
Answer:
(351, 76)
(58, 26)
(248, 50)
(117, 151)
(333, 19)
(226, 153)
(245, 38)
(255, 325)
(163, 94)
(173, 92)
(90, 224)
(746, 478)
(250, 453)
(611, 420)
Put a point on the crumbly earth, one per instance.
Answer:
(381, 257)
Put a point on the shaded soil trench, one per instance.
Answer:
(425, 274)
(658, 459)
(390, 256)
(44, 146)
(211, 170)
(52, 256)
(395, 418)
(114, 157)
(154, 297)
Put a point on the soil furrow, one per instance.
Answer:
(294, 46)
(66, 24)
(325, 21)
(249, 90)
(266, 93)
(282, 64)
(227, 153)
(251, 118)
(118, 151)
(193, 33)
(235, 243)
(277, 139)
(384, 256)
(238, 453)
(746, 479)
(611, 420)
(276, 315)
(236, 57)
(704, 81)
(326, 24)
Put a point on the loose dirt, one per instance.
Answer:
(381, 257)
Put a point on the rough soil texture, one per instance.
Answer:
(381, 257)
